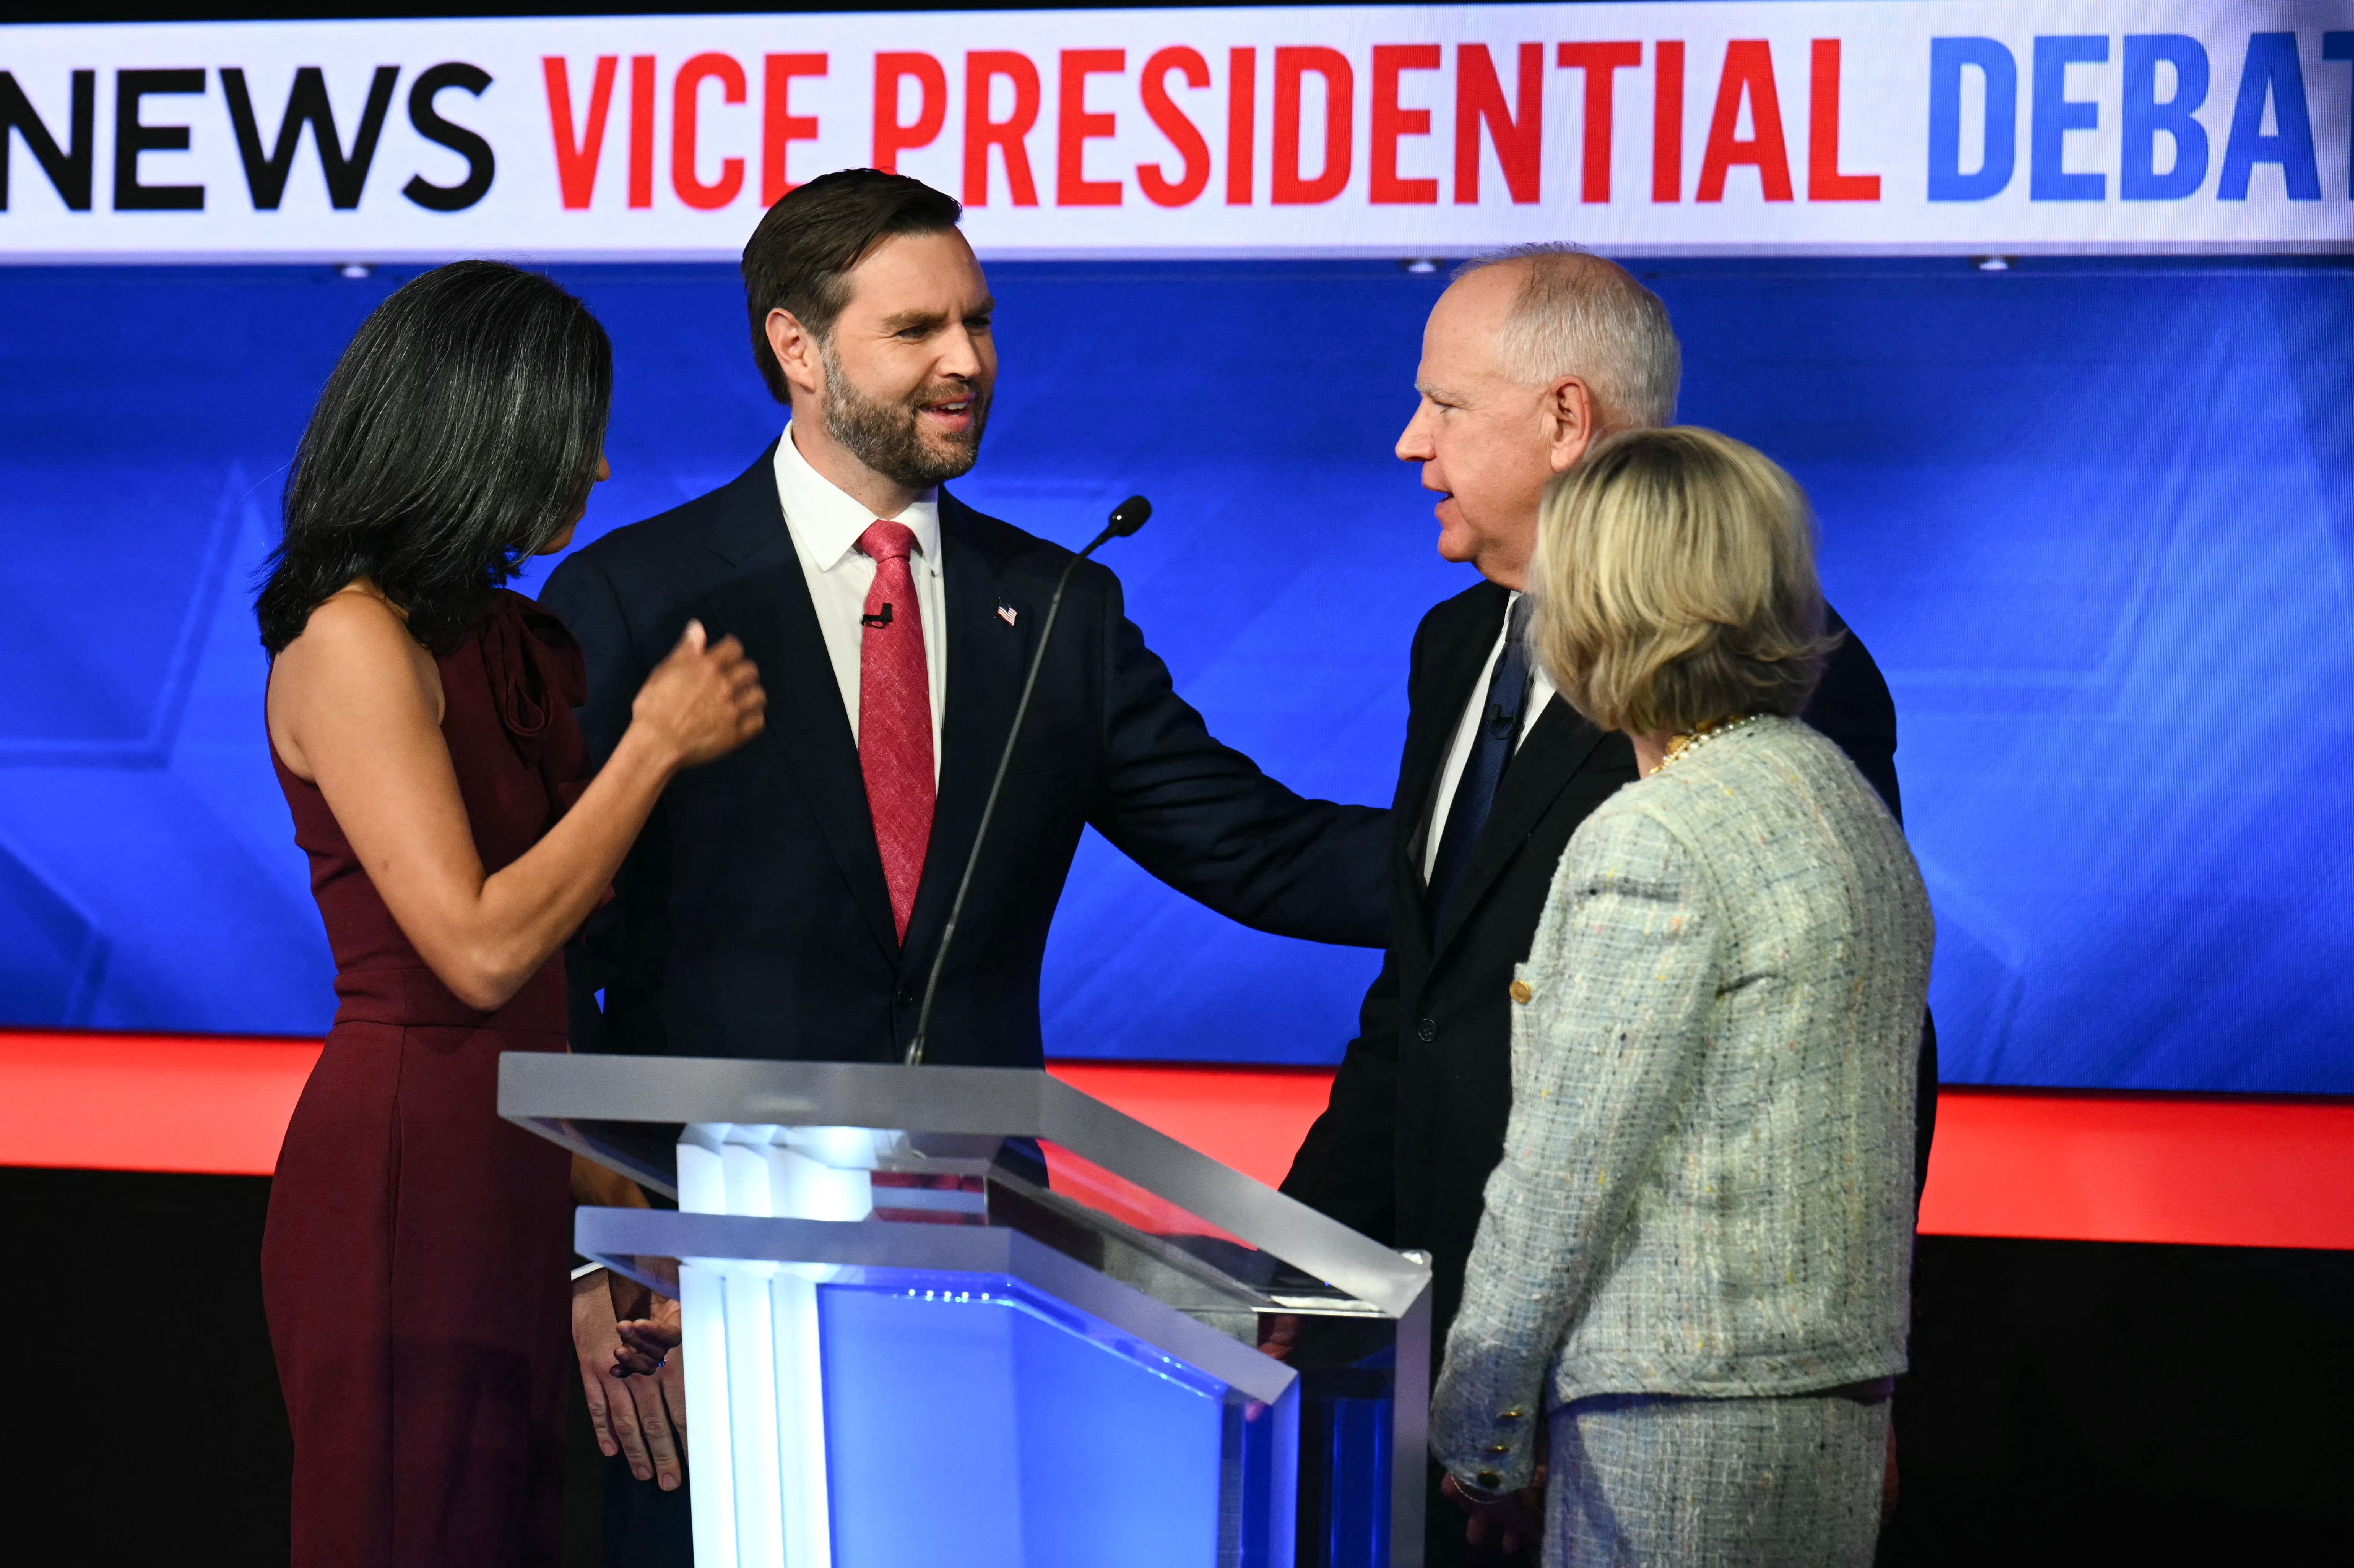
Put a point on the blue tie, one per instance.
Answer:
(1491, 748)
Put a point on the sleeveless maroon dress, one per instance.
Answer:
(414, 1266)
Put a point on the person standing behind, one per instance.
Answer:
(1528, 358)
(420, 723)
(1693, 1267)
(789, 903)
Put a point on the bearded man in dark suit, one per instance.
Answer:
(1528, 359)
(788, 901)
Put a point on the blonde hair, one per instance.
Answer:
(1675, 583)
(1578, 314)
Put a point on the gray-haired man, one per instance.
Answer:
(1527, 360)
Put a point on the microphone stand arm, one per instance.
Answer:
(922, 1039)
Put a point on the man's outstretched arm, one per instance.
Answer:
(1203, 818)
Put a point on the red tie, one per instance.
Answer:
(894, 716)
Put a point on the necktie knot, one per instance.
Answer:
(1516, 621)
(887, 541)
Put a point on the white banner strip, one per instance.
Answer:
(2055, 125)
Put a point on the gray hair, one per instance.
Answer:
(1578, 314)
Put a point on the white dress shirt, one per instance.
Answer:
(825, 523)
(1459, 756)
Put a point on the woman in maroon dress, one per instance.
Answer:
(420, 718)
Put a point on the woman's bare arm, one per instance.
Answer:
(350, 709)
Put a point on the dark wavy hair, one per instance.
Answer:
(459, 431)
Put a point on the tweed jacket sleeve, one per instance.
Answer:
(1607, 1049)
(1705, 1188)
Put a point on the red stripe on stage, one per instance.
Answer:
(2209, 1170)
(2203, 1170)
(209, 1104)
(1249, 1117)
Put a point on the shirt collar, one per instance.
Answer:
(828, 522)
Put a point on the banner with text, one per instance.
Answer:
(2059, 125)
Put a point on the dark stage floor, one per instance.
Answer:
(2073, 1403)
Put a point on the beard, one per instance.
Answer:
(888, 437)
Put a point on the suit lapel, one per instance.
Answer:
(1549, 756)
(1455, 666)
(986, 660)
(806, 722)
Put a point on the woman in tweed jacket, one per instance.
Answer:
(1692, 1275)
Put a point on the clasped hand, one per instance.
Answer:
(1514, 1519)
(634, 1382)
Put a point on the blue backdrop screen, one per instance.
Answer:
(2093, 520)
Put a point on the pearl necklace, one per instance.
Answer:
(1700, 735)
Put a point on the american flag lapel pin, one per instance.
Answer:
(1005, 613)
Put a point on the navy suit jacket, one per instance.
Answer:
(752, 919)
(1417, 1118)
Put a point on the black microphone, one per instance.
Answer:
(1126, 518)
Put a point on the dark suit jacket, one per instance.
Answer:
(1416, 1118)
(752, 919)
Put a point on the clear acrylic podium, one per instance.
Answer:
(970, 1316)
